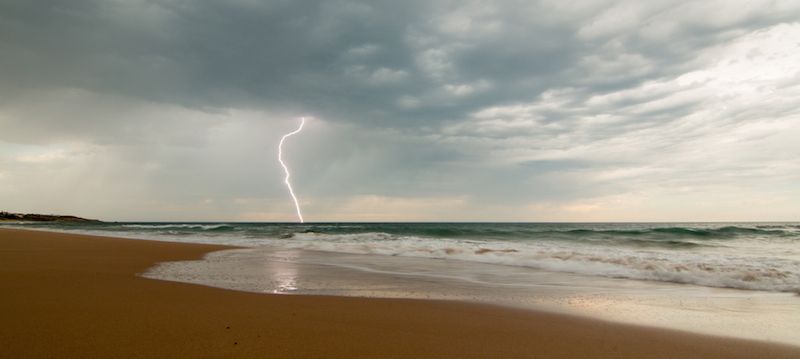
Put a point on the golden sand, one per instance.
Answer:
(74, 296)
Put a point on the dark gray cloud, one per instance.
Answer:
(351, 61)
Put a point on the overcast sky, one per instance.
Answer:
(419, 110)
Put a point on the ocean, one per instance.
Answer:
(733, 279)
(751, 256)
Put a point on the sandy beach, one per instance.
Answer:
(68, 295)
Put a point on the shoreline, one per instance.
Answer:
(761, 316)
(72, 295)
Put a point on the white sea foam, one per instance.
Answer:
(714, 268)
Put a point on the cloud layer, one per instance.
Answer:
(510, 110)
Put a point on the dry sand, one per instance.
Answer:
(73, 296)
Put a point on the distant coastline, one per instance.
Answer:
(35, 217)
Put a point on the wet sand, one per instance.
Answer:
(66, 295)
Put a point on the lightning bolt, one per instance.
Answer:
(286, 169)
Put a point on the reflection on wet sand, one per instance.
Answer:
(284, 275)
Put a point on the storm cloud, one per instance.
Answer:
(429, 110)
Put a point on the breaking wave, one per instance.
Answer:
(183, 226)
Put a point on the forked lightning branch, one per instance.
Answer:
(286, 169)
